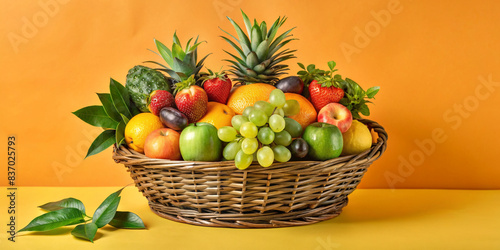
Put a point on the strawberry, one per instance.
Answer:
(322, 94)
(191, 99)
(217, 86)
(324, 88)
(159, 99)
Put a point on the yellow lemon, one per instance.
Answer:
(356, 139)
(218, 114)
(138, 128)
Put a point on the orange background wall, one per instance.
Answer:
(437, 63)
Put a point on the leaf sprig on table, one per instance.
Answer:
(112, 116)
(71, 211)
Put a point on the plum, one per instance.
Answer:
(291, 84)
(173, 118)
(299, 148)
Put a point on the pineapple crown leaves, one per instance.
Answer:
(182, 62)
(184, 84)
(355, 98)
(259, 52)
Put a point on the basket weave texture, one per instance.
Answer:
(218, 194)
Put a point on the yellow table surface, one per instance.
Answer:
(373, 219)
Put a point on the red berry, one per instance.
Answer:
(192, 102)
(218, 87)
(321, 96)
(159, 99)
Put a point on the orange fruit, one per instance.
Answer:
(138, 129)
(307, 113)
(218, 114)
(248, 95)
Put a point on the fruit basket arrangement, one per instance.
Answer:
(241, 148)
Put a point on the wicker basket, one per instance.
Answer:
(217, 194)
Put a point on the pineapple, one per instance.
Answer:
(141, 80)
(183, 63)
(260, 59)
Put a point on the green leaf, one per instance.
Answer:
(187, 44)
(255, 37)
(274, 28)
(301, 65)
(125, 119)
(262, 50)
(275, 45)
(240, 52)
(120, 133)
(344, 101)
(183, 67)
(331, 65)
(96, 116)
(178, 53)
(120, 98)
(243, 39)
(246, 20)
(371, 92)
(364, 110)
(102, 142)
(343, 84)
(126, 220)
(85, 231)
(165, 52)
(64, 203)
(107, 210)
(263, 30)
(176, 39)
(135, 111)
(54, 219)
(311, 67)
(355, 88)
(110, 109)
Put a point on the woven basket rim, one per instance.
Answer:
(125, 155)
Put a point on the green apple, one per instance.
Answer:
(325, 141)
(199, 142)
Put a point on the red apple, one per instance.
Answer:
(336, 114)
(163, 143)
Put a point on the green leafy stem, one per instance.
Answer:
(71, 211)
(116, 110)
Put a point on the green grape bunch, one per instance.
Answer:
(262, 132)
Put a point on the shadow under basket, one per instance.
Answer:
(217, 194)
